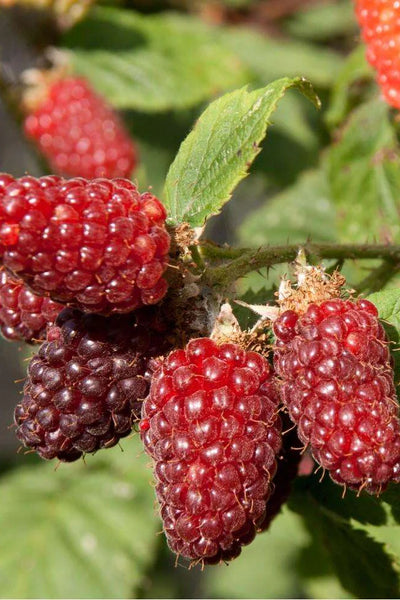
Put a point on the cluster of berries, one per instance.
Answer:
(380, 25)
(208, 413)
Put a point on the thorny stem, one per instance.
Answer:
(237, 262)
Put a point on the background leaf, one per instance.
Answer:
(268, 58)
(365, 565)
(364, 176)
(301, 211)
(152, 63)
(348, 86)
(217, 154)
(82, 531)
(323, 21)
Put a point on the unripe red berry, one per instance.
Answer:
(79, 134)
(24, 316)
(380, 25)
(210, 424)
(336, 379)
(86, 384)
(98, 245)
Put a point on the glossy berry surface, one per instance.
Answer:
(23, 315)
(97, 245)
(380, 25)
(336, 379)
(79, 134)
(210, 424)
(288, 462)
(86, 384)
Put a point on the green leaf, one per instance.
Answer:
(271, 557)
(364, 176)
(81, 531)
(388, 305)
(300, 212)
(365, 566)
(217, 154)
(268, 59)
(323, 21)
(152, 63)
(348, 86)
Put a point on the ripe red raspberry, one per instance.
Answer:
(210, 423)
(86, 384)
(79, 134)
(96, 245)
(23, 315)
(380, 24)
(337, 382)
(287, 468)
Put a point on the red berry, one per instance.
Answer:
(23, 315)
(380, 24)
(337, 383)
(287, 468)
(97, 245)
(86, 384)
(79, 134)
(210, 423)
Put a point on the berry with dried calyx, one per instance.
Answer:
(77, 132)
(24, 316)
(336, 380)
(97, 245)
(86, 384)
(210, 423)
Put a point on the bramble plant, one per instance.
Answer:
(256, 375)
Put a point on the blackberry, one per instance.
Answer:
(86, 384)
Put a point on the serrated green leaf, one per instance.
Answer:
(364, 565)
(363, 169)
(152, 63)
(388, 305)
(81, 531)
(217, 154)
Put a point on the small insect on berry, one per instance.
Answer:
(211, 425)
(97, 245)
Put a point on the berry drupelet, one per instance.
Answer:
(86, 384)
(380, 25)
(211, 426)
(98, 245)
(78, 133)
(336, 379)
(24, 316)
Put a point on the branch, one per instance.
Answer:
(236, 262)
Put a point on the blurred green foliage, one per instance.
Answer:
(89, 529)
